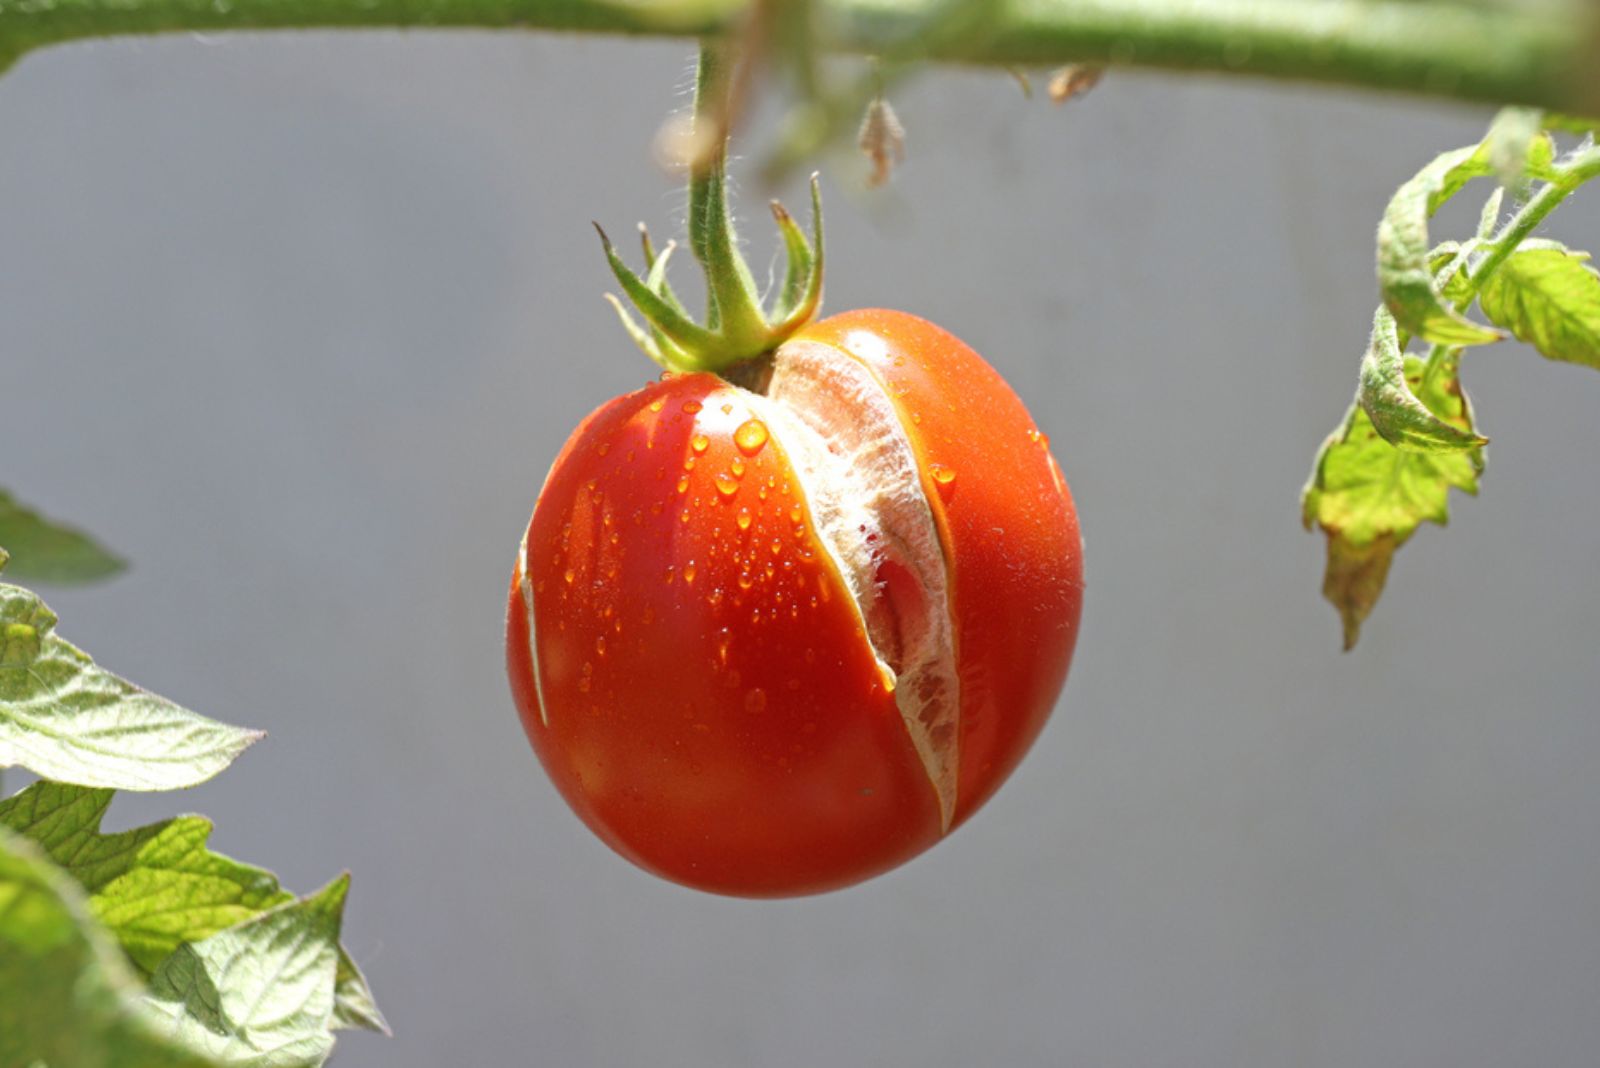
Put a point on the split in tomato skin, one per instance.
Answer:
(690, 651)
(1008, 525)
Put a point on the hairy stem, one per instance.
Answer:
(1569, 176)
(1536, 54)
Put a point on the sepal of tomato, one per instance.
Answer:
(776, 644)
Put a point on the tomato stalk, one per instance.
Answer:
(739, 325)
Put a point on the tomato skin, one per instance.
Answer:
(705, 695)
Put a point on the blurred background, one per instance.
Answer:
(297, 324)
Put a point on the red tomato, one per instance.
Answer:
(777, 642)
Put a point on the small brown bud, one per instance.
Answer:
(883, 140)
(1074, 80)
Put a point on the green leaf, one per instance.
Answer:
(1369, 497)
(46, 551)
(67, 998)
(1449, 265)
(1404, 274)
(354, 1007)
(1399, 417)
(1550, 298)
(262, 993)
(63, 717)
(157, 887)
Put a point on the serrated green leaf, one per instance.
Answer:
(1369, 497)
(1403, 262)
(157, 887)
(260, 994)
(354, 1007)
(1399, 417)
(46, 551)
(67, 998)
(65, 718)
(1550, 298)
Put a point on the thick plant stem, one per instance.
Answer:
(1536, 54)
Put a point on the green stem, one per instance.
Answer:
(1527, 219)
(1568, 177)
(733, 303)
(1536, 54)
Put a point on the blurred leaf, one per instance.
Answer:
(157, 887)
(1550, 298)
(67, 999)
(1518, 149)
(1369, 497)
(45, 551)
(1399, 417)
(63, 717)
(261, 993)
(1404, 274)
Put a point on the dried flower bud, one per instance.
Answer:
(883, 140)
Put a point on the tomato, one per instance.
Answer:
(776, 640)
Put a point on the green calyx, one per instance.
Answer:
(739, 324)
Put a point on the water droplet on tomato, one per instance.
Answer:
(727, 485)
(570, 575)
(688, 572)
(751, 436)
(691, 406)
(744, 519)
(699, 443)
(942, 474)
(657, 404)
(683, 484)
(737, 467)
(794, 514)
(600, 646)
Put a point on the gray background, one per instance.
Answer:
(297, 324)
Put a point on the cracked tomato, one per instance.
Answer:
(777, 637)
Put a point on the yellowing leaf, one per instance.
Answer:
(1369, 496)
(1550, 298)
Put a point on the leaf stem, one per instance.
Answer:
(1569, 175)
(1535, 54)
